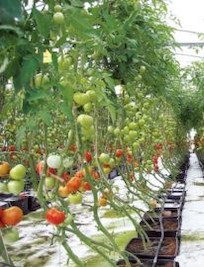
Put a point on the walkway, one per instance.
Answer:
(192, 230)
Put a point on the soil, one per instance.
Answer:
(147, 264)
(169, 225)
(168, 248)
(154, 215)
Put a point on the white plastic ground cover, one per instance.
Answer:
(34, 248)
(192, 229)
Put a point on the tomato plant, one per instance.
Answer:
(85, 100)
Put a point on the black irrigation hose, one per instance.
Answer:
(162, 231)
(162, 236)
(2, 264)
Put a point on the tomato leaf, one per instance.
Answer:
(43, 22)
(46, 117)
(67, 93)
(20, 135)
(112, 111)
(25, 73)
(10, 11)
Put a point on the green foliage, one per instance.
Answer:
(10, 11)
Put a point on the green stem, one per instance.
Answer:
(4, 252)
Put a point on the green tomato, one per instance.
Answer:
(127, 139)
(88, 107)
(81, 98)
(75, 198)
(58, 18)
(132, 134)
(49, 182)
(15, 187)
(132, 125)
(104, 158)
(126, 99)
(11, 235)
(141, 122)
(136, 145)
(57, 8)
(138, 77)
(142, 69)
(85, 121)
(149, 162)
(110, 129)
(88, 131)
(41, 80)
(116, 131)
(64, 64)
(125, 130)
(92, 95)
(3, 188)
(107, 170)
(111, 163)
(18, 172)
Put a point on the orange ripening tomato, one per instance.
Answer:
(12, 216)
(4, 168)
(39, 167)
(106, 165)
(80, 174)
(63, 191)
(54, 216)
(102, 202)
(73, 184)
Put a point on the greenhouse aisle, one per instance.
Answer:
(192, 229)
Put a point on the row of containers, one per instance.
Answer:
(25, 201)
(162, 226)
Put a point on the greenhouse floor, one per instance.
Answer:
(192, 230)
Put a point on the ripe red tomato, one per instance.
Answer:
(129, 158)
(54, 216)
(12, 148)
(39, 168)
(72, 148)
(119, 153)
(12, 216)
(156, 168)
(1, 212)
(158, 146)
(4, 148)
(65, 176)
(86, 186)
(73, 184)
(1, 225)
(88, 156)
(51, 171)
(96, 175)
